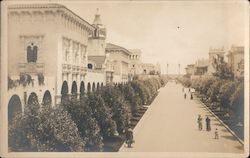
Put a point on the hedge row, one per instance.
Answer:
(81, 124)
(225, 96)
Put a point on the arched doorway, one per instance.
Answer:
(102, 85)
(74, 90)
(82, 88)
(33, 104)
(64, 91)
(89, 87)
(47, 101)
(98, 87)
(93, 87)
(14, 107)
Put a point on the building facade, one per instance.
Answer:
(236, 60)
(216, 57)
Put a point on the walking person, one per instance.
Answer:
(216, 134)
(191, 96)
(199, 120)
(208, 124)
(129, 137)
(185, 96)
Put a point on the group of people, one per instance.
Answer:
(208, 126)
(185, 95)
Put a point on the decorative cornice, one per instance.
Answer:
(58, 8)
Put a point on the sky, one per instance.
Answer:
(173, 32)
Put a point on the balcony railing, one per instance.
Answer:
(31, 67)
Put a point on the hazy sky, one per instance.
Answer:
(169, 32)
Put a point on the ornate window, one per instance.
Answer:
(32, 53)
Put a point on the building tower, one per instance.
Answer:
(97, 40)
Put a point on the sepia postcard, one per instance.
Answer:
(124, 79)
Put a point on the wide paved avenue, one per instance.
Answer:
(170, 125)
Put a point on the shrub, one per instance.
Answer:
(237, 103)
(102, 114)
(88, 127)
(116, 102)
(47, 130)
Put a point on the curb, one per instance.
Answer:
(232, 132)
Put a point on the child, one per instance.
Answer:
(216, 134)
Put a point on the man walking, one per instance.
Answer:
(185, 95)
(208, 124)
(129, 137)
(199, 120)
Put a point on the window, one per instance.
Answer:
(32, 53)
(90, 66)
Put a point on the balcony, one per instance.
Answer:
(31, 68)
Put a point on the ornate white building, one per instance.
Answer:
(53, 52)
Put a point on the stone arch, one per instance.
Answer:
(98, 86)
(101, 85)
(74, 88)
(33, 99)
(82, 88)
(14, 107)
(65, 88)
(47, 99)
(93, 87)
(64, 91)
(89, 87)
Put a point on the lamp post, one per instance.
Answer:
(179, 68)
(167, 69)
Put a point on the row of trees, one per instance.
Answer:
(81, 124)
(225, 95)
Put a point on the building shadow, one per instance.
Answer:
(229, 137)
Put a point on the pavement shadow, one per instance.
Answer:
(224, 130)
(241, 147)
(218, 124)
(229, 137)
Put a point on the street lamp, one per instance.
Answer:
(179, 68)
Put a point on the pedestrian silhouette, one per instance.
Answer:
(199, 121)
(129, 137)
(216, 134)
(191, 97)
(208, 124)
(185, 95)
(188, 89)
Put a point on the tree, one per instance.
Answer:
(237, 103)
(225, 93)
(102, 114)
(224, 72)
(88, 126)
(119, 108)
(47, 130)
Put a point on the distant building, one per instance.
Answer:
(216, 56)
(135, 62)
(236, 60)
(190, 69)
(120, 57)
(149, 69)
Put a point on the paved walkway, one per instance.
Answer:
(170, 125)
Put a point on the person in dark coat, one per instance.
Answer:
(185, 95)
(129, 137)
(191, 97)
(208, 123)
